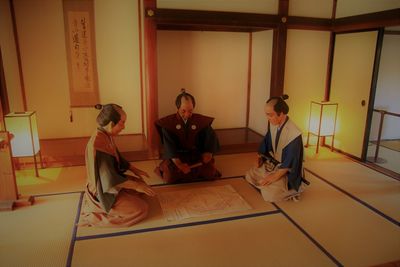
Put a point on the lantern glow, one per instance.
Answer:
(322, 120)
(25, 141)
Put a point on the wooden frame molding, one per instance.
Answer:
(20, 72)
(181, 19)
(368, 21)
(173, 19)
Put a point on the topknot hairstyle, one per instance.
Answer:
(187, 96)
(280, 106)
(108, 113)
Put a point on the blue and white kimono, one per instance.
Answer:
(281, 149)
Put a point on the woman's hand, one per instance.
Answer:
(135, 184)
(144, 188)
(138, 172)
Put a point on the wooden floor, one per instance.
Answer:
(70, 151)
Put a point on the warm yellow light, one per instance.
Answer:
(23, 126)
(322, 118)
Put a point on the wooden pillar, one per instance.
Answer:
(279, 51)
(330, 57)
(150, 41)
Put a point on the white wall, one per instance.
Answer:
(305, 72)
(311, 8)
(347, 8)
(213, 66)
(388, 91)
(118, 58)
(260, 79)
(40, 27)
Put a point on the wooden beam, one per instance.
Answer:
(180, 19)
(392, 32)
(150, 40)
(279, 51)
(306, 23)
(368, 21)
(20, 72)
(204, 20)
(328, 77)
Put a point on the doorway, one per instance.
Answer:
(384, 138)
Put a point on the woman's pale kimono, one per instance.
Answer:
(105, 204)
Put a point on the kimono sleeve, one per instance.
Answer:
(292, 158)
(170, 144)
(108, 173)
(208, 140)
(123, 164)
(266, 144)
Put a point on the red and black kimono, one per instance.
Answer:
(187, 141)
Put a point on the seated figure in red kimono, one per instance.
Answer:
(189, 144)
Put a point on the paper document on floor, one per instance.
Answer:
(196, 202)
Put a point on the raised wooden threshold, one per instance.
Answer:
(71, 151)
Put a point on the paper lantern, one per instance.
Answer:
(25, 143)
(322, 121)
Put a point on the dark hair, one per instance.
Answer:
(279, 103)
(187, 96)
(109, 112)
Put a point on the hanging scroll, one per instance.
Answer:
(81, 52)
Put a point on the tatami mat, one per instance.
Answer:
(51, 180)
(372, 187)
(351, 232)
(232, 165)
(156, 218)
(347, 216)
(38, 235)
(269, 240)
(387, 158)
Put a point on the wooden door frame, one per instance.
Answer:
(4, 105)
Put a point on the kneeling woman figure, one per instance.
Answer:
(112, 198)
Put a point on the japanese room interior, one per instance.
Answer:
(61, 57)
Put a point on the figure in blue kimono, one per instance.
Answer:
(280, 159)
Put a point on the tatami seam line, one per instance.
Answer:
(58, 194)
(330, 256)
(74, 231)
(390, 219)
(175, 226)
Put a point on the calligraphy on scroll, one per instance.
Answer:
(81, 52)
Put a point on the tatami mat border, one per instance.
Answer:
(74, 231)
(138, 231)
(330, 256)
(57, 194)
(390, 219)
(200, 181)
